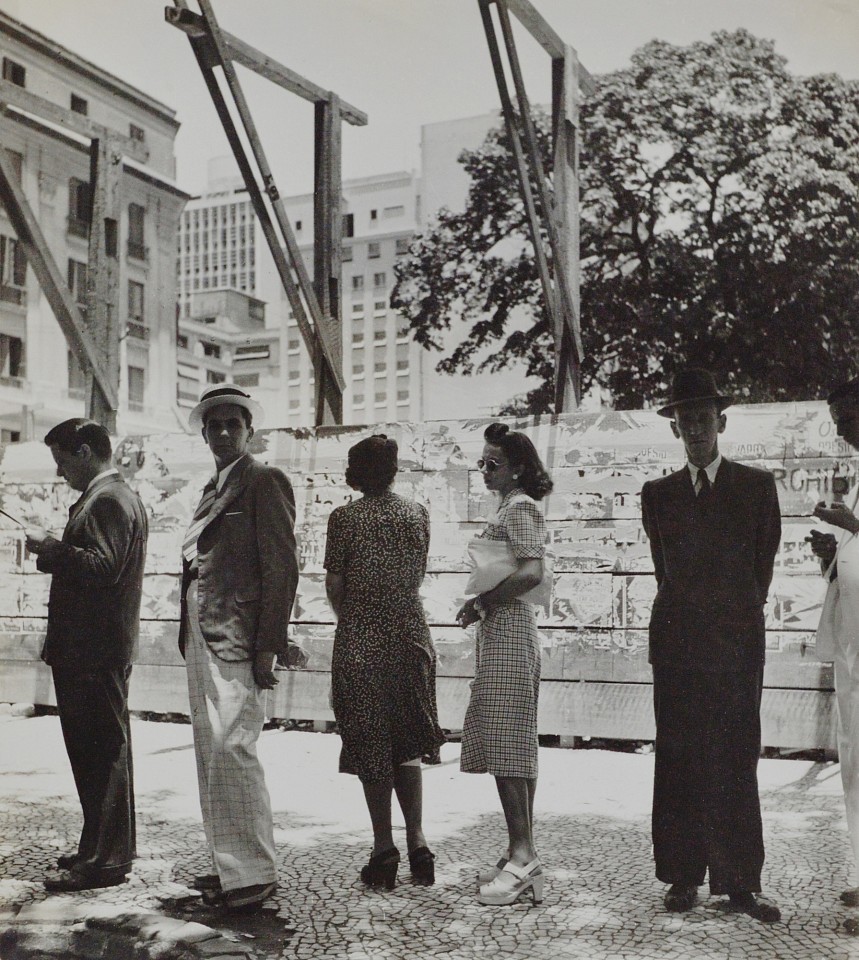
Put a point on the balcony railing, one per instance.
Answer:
(16, 295)
(78, 227)
(137, 330)
(138, 251)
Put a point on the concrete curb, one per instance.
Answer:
(69, 929)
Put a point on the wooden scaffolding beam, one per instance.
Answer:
(554, 209)
(315, 304)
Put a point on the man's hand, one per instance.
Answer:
(467, 614)
(823, 546)
(838, 515)
(264, 671)
(38, 541)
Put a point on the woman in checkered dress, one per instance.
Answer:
(500, 731)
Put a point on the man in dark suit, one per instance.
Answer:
(93, 624)
(714, 530)
(239, 577)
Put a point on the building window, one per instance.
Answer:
(294, 374)
(79, 105)
(136, 246)
(136, 133)
(182, 341)
(380, 367)
(379, 335)
(380, 306)
(348, 224)
(381, 398)
(135, 301)
(357, 369)
(252, 351)
(358, 308)
(346, 254)
(212, 376)
(379, 280)
(77, 377)
(11, 357)
(390, 212)
(374, 251)
(357, 283)
(13, 271)
(212, 350)
(77, 277)
(358, 400)
(14, 72)
(358, 337)
(297, 226)
(80, 207)
(136, 376)
(246, 379)
(294, 404)
(402, 364)
(401, 247)
(292, 345)
(402, 396)
(374, 214)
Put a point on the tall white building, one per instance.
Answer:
(41, 381)
(221, 247)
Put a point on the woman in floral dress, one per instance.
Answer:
(383, 667)
(500, 731)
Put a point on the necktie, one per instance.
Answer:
(704, 485)
(201, 514)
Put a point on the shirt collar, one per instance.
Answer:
(222, 475)
(711, 470)
(100, 476)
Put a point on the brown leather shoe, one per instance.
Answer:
(755, 905)
(681, 897)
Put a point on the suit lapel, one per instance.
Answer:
(235, 485)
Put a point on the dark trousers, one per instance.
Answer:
(93, 708)
(706, 808)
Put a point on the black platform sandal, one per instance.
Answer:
(422, 865)
(381, 871)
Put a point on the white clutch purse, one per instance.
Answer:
(492, 561)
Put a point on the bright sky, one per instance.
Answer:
(404, 62)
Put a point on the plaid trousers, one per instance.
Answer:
(227, 714)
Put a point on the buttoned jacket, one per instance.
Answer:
(97, 578)
(713, 565)
(246, 565)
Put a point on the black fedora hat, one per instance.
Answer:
(692, 386)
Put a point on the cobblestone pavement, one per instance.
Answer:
(602, 902)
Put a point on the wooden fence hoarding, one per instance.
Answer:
(596, 680)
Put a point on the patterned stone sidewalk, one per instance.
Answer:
(602, 902)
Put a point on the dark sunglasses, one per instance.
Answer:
(489, 465)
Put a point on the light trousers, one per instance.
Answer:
(847, 697)
(227, 714)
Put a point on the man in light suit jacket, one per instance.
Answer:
(93, 623)
(714, 530)
(840, 643)
(239, 577)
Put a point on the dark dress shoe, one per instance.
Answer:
(71, 881)
(65, 861)
(680, 897)
(850, 897)
(422, 865)
(755, 905)
(206, 881)
(242, 899)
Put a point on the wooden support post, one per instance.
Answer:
(327, 235)
(103, 275)
(51, 280)
(316, 338)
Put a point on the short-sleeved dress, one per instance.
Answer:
(383, 667)
(499, 735)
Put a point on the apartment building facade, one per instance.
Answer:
(41, 381)
(221, 248)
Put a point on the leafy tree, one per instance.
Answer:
(720, 227)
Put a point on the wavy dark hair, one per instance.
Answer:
(520, 452)
(372, 464)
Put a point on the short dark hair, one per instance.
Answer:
(71, 435)
(246, 414)
(522, 453)
(372, 464)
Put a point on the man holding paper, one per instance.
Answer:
(838, 634)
